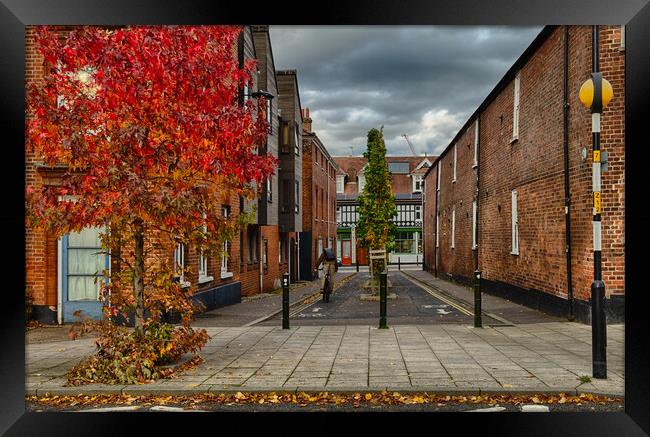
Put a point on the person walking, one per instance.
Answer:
(328, 259)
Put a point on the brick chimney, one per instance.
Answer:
(306, 120)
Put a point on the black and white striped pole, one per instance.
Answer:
(595, 94)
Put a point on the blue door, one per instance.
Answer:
(83, 262)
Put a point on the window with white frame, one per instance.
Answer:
(417, 183)
(340, 184)
(515, 115)
(474, 210)
(362, 182)
(476, 143)
(453, 226)
(203, 261)
(623, 37)
(225, 212)
(179, 264)
(455, 160)
(418, 213)
(246, 93)
(515, 225)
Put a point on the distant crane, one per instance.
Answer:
(410, 145)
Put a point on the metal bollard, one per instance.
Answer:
(382, 300)
(285, 301)
(399, 263)
(478, 323)
(357, 266)
(598, 330)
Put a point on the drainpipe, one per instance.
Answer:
(478, 187)
(567, 194)
(261, 257)
(435, 222)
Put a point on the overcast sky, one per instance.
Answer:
(424, 81)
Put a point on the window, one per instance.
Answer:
(474, 224)
(246, 93)
(515, 117)
(438, 177)
(476, 143)
(398, 167)
(623, 37)
(418, 213)
(297, 140)
(284, 138)
(179, 264)
(269, 190)
(453, 226)
(225, 254)
(346, 215)
(362, 182)
(338, 214)
(340, 184)
(203, 261)
(252, 246)
(417, 183)
(515, 225)
(286, 195)
(408, 215)
(297, 208)
(455, 160)
(265, 256)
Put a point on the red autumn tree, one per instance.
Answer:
(150, 123)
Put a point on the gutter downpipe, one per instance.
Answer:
(478, 187)
(567, 193)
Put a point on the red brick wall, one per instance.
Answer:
(533, 165)
(456, 195)
(319, 215)
(429, 220)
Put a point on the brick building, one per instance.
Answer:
(511, 194)
(260, 240)
(406, 183)
(318, 199)
(56, 291)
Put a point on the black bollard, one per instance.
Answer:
(357, 265)
(598, 330)
(285, 301)
(478, 323)
(399, 263)
(382, 300)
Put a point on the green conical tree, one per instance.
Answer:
(376, 202)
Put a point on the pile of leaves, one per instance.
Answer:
(124, 356)
(323, 398)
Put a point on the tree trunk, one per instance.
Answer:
(138, 277)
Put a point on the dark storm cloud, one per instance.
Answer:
(421, 80)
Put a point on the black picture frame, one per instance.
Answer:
(15, 14)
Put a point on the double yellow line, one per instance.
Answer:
(438, 296)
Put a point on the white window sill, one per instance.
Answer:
(204, 279)
(225, 275)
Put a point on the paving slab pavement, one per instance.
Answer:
(529, 358)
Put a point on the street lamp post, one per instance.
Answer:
(595, 94)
